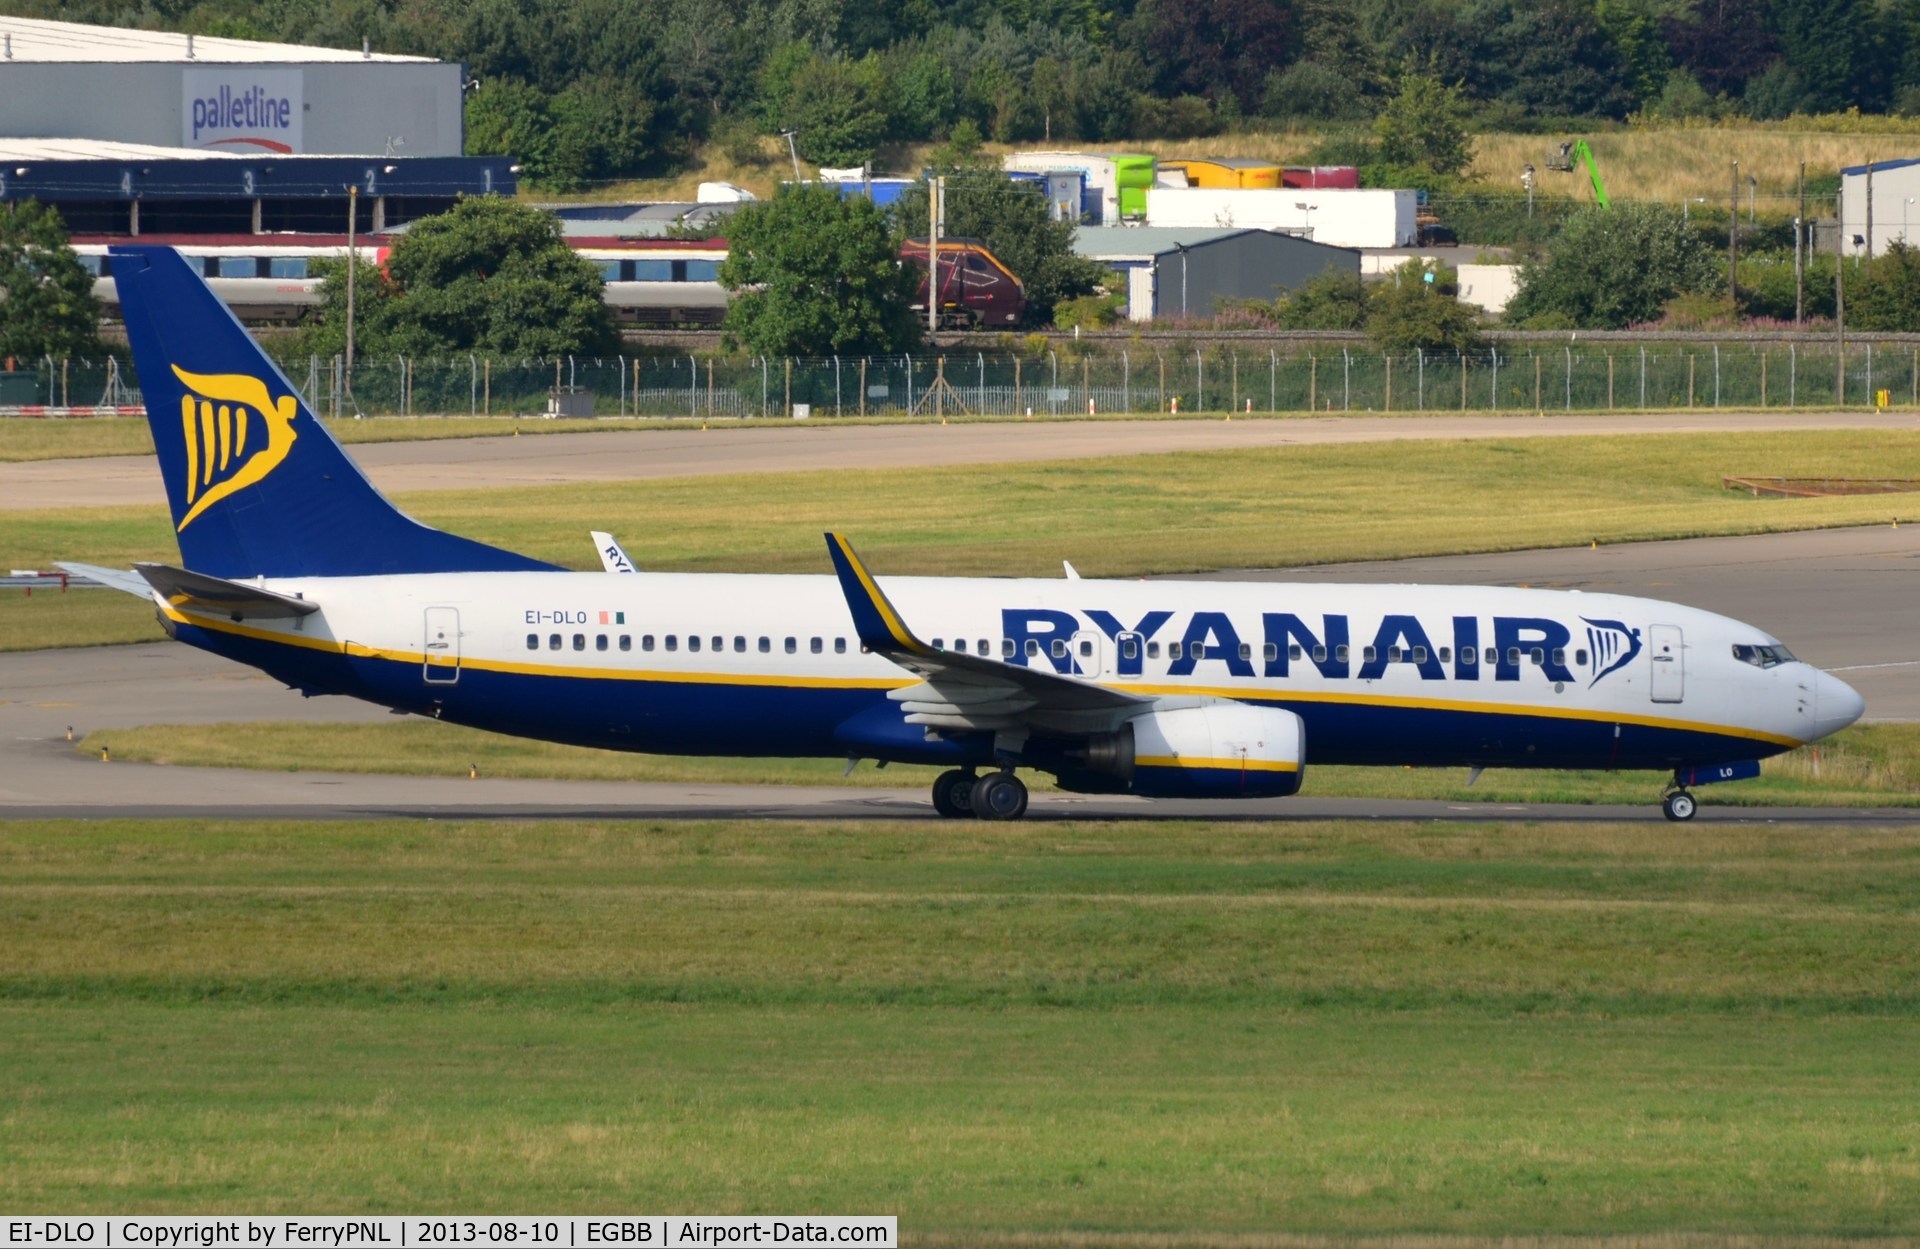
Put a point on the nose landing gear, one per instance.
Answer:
(1678, 805)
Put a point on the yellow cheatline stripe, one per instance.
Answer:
(1482, 708)
(222, 625)
(359, 650)
(888, 616)
(1234, 765)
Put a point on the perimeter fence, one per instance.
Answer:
(1575, 377)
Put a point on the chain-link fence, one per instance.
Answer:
(1578, 376)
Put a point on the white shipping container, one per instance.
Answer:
(1339, 218)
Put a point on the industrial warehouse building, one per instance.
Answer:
(1872, 226)
(1188, 272)
(140, 132)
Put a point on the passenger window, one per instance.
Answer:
(983, 648)
(1341, 653)
(626, 641)
(1173, 651)
(939, 644)
(793, 646)
(1559, 655)
(1246, 651)
(839, 646)
(1130, 649)
(719, 644)
(960, 645)
(1319, 654)
(693, 642)
(739, 646)
(1033, 648)
(816, 646)
(673, 642)
(1394, 654)
(600, 642)
(1493, 655)
(646, 642)
(1272, 651)
(1513, 656)
(1419, 654)
(1153, 650)
(1368, 655)
(1446, 654)
(1537, 656)
(766, 646)
(1580, 657)
(1086, 649)
(579, 641)
(1469, 656)
(553, 641)
(1006, 648)
(533, 641)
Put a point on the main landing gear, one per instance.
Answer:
(995, 796)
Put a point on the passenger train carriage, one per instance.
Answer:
(293, 563)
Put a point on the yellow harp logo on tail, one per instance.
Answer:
(221, 416)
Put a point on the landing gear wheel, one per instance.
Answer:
(999, 796)
(953, 794)
(1678, 805)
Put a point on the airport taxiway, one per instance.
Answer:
(754, 447)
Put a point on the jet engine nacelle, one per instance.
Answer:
(1216, 750)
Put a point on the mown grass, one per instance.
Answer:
(1867, 765)
(1125, 516)
(996, 1034)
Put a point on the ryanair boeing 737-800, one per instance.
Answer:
(293, 563)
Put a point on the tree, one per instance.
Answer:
(839, 109)
(1011, 219)
(491, 276)
(47, 306)
(1415, 309)
(1425, 124)
(1214, 47)
(813, 274)
(1611, 268)
(1885, 294)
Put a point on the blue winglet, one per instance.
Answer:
(879, 625)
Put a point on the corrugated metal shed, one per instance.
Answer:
(33, 40)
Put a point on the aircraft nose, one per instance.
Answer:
(1835, 705)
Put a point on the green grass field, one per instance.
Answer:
(1179, 513)
(1865, 766)
(1073, 1032)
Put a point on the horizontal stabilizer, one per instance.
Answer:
(197, 590)
(113, 578)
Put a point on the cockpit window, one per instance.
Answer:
(1763, 656)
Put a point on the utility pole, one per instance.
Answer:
(936, 206)
(353, 263)
(1733, 240)
(1869, 210)
(1799, 254)
(1840, 300)
(793, 153)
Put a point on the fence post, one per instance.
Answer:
(1691, 357)
(1346, 380)
(1716, 375)
(1609, 381)
(473, 388)
(1019, 391)
(1493, 390)
(1536, 382)
(1233, 399)
(787, 410)
(486, 386)
(1086, 383)
(693, 388)
(1273, 382)
(863, 385)
(709, 387)
(1200, 374)
(836, 385)
(1163, 381)
(763, 385)
(1870, 396)
(1126, 382)
(1313, 383)
(1793, 374)
(980, 397)
(1763, 378)
(1388, 406)
(1569, 351)
(1643, 379)
(1420, 379)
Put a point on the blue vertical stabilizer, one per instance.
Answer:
(256, 485)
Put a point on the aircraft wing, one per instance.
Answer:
(232, 598)
(972, 692)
